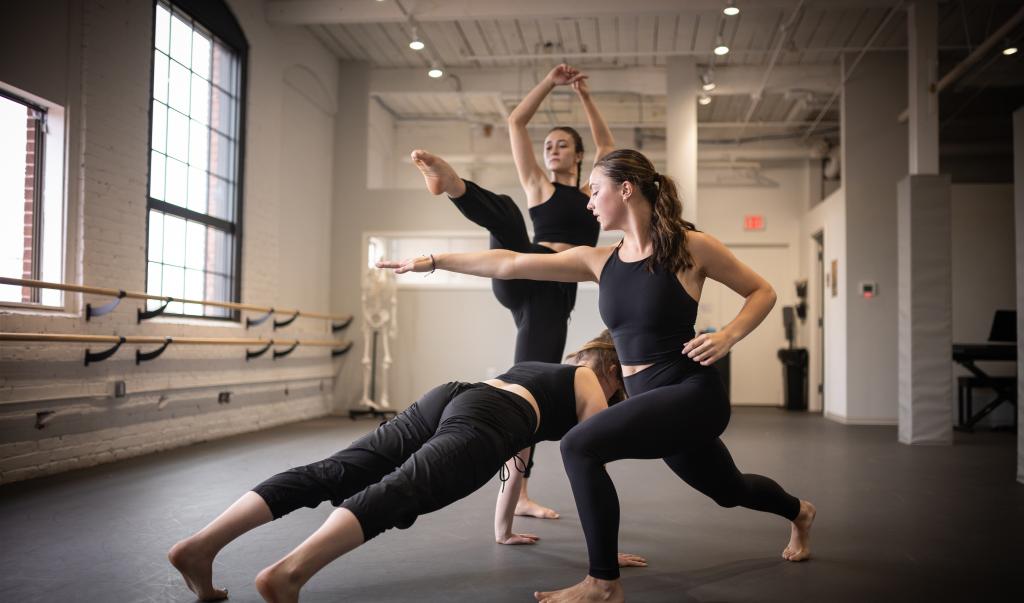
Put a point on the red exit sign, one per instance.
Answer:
(753, 222)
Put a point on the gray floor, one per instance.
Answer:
(896, 523)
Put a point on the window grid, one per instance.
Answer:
(193, 182)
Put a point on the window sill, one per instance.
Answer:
(19, 309)
(196, 321)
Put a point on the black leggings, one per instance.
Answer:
(541, 309)
(676, 411)
(441, 449)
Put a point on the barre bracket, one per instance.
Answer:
(141, 356)
(153, 313)
(252, 322)
(286, 352)
(341, 351)
(338, 326)
(101, 356)
(249, 355)
(284, 323)
(106, 308)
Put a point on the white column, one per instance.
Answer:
(1018, 211)
(922, 34)
(924, 253)
(925, 328)
(682, 87)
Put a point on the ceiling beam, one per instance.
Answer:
(647, 81)
(310, 12)
(427, 120)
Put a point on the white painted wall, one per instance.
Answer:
(97, 60)
(380, 147)
(829, 217)
(774, 253)
(874, 150)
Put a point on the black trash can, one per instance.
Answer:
(794, 377)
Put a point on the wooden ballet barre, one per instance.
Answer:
(140, 356)
(343, 319)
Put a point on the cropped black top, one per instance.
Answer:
(564, 218)
(553, 386)
(650, 315)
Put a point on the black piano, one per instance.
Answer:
(1002, 347)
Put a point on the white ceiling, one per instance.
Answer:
(527, 37)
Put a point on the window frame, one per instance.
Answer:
(217, 19)
(38, 175)
(50, 199)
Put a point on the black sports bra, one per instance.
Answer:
(564, 218)
(650, 315)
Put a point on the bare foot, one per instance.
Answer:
(196, 567)
(277, 586)
(528, 508)
(799, 547)
(591, 589)
(438, 175)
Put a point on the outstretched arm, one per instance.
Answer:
(603, 139)
(571, 266)
(505, 509)
(718, 263)
(531, 174)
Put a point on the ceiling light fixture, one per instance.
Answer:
(416, 43)
(730, 10)
(720, 47)
(707, 84)
(435, 71)
(1010, 50)
(704, 99)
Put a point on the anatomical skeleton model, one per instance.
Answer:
(380, 318)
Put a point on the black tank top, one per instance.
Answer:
(564, 218)
(553, 386)
(649, 315)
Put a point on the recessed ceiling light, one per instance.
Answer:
(730, 10)
(1010, 50)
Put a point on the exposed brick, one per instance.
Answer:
(115, 45)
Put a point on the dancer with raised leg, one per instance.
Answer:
(677, 408)
(558, 209)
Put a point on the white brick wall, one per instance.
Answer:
(172, 400)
